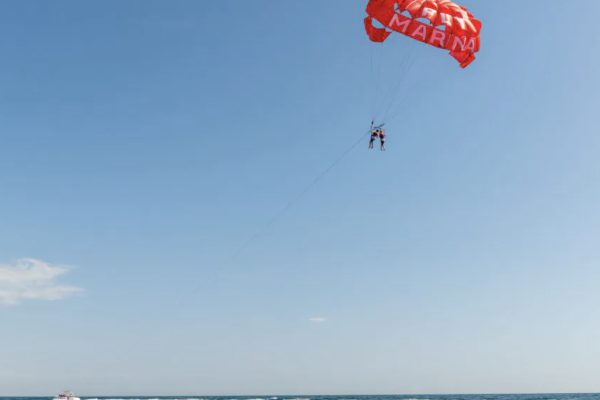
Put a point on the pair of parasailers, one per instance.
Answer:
(377, 132)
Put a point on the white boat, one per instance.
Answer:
(66, 395)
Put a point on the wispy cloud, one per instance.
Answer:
(317, 320)
(31, 279)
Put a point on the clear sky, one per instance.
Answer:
(143, 142)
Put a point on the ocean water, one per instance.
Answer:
(574, 396)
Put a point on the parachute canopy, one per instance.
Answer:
(451, 26)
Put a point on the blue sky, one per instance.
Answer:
(144, 142)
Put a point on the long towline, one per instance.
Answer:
(299, 196)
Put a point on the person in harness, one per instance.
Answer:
(377, 132)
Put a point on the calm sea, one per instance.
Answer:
(581, 396)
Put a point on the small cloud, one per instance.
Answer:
(31, 279)
(317, 320)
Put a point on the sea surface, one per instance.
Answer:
(547, 396)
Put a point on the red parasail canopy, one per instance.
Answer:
(451, 26)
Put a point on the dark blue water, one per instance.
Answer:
(580, 396)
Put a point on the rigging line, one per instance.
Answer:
(403, 101)
(299, 196)
(387, 95)
(403, 69)
(392, 92)
(377, 50)
(406, 68)
(382, 87)
(372, 94)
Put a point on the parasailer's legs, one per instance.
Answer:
(373, 137)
